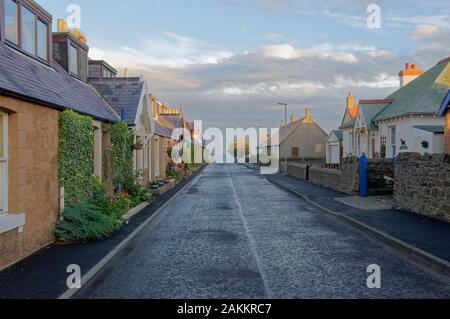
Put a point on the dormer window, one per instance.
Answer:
(11, 24)
(26, 28)
(73, 60)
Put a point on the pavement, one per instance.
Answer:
(427, 234)
(234, 234)
(43, 275)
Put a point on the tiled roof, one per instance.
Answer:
(25, 77)
(123, 94)
(422, 96)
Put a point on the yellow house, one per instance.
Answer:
(37, 83)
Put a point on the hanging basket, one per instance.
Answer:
(138, 146)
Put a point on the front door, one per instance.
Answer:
(3, 162)
(334, 154)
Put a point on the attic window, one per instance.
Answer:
(73, 64)
(11, 25)
(26, 30)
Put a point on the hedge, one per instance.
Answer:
(75, 157)
(122, 155)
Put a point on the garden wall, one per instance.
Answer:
(344, 180)
(422, 184)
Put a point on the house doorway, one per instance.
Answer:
(3, 162)
(334, 154)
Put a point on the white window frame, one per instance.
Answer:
(4, 160)
(393, 140)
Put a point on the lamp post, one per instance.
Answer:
(286, 136)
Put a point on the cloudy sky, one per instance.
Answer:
(229, 62)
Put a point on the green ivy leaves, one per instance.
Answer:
(76, 149)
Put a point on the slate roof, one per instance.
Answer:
(423, 96)
(29, 79)
(435, 129)
(123, 94)
(369, 111)
(348, 124)
(164, 125)
(339, 134)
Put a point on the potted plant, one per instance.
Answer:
(154, 185)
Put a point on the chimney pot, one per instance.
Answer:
(414, 66)
(408, 66)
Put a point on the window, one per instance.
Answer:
(28, 35)
(11, 25)
(26, 30)
(295, 152)
(107, 73)
(42, 40)
(2, 136)
(3, 163)
(393, 139)
(73, 64)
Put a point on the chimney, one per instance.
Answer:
(125, 72)
(409, 74)
(70, 45)
(282, 123)
(293, 119)
(351, 106)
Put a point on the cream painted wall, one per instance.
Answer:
(405, 130)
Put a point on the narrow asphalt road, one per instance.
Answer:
(233, 234)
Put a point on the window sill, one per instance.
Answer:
(10, 222)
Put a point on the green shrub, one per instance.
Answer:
(122, 154)
(84, 223)
(113, 206)
(75, 157)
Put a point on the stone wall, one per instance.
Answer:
(33, 177)
(344, 180)
(422, 184)
(380, 173)
(447, 133)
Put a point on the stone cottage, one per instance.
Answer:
(166, 121)
(305, 139)
(39, 78)
(129, 98)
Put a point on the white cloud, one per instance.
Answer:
(380, 81)
(422, 31)
(171, 50)
(288, 52)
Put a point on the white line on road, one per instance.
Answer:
(250, 238)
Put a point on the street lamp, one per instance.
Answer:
(286, 136)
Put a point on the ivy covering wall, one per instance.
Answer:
(122, 155)
(76, 148)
